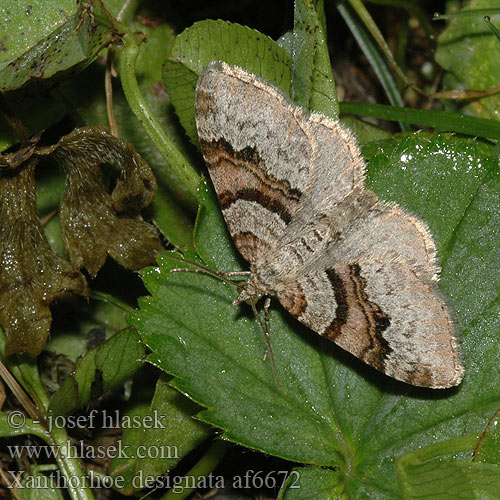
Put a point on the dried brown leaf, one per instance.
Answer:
(31, 274)
(94, 222)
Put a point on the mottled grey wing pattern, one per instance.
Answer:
(384, 314)
(264, 177)
(356, 270)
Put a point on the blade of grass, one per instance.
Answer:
(369, 23)
(414, 9)
(375, 59)
(441, 120)
(200, 470)
(492, 27)
(467, 13)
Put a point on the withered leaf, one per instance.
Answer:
(31, 274)
(22, 155)
(95, 222)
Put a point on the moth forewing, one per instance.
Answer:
(352, 268)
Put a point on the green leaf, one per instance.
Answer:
(37, 486)
(312, 483)
(488, 447)
(331, 409)
(431, 472)
(100, 369)
(165, 434)
(313, 86)
(208, 41)
(59, 37)
(470, 52)
(15, 424)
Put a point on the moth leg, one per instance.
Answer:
(264, 325)
(226, 278)
(267, 304)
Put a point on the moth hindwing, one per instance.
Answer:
(351, 267)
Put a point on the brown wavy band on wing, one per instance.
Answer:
(334, 304)
(233, 171)
(240, 178)
(360, 323)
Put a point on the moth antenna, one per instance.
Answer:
(265, 330)
(201, 269)
(192, 262)
(188, 270)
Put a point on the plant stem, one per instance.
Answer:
(440, 120)
(368, 21)
(109, 299)
(69, 466)
(204, 467)
(179, 169)
(12, 119)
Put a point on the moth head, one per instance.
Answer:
(249, 293)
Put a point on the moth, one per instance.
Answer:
(355, 269)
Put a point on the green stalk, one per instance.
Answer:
(368, 21)
(177, 167)
(440, 120)
(204, 467)
(413, 8)
(377, 62)
(468, 13)
(70, 465)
